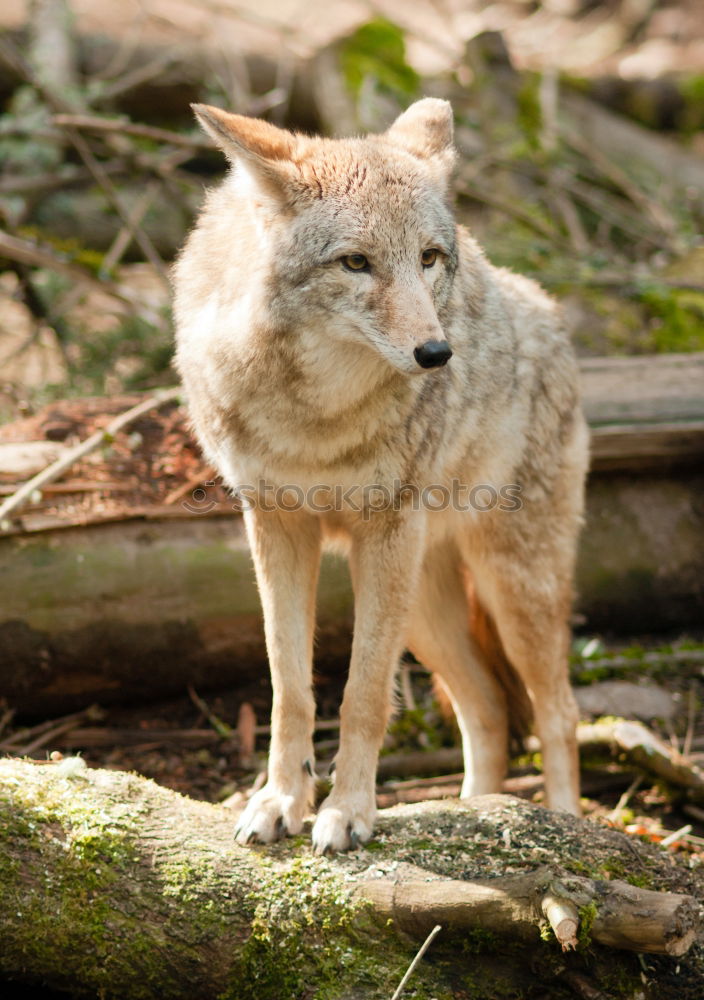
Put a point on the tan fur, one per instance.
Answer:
(301, 372)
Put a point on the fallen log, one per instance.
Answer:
(624, 916)
(195, 615)
(646, 751)
(110, 884)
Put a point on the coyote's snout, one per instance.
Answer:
(433, 354)
(319, 300)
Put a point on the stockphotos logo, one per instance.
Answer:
(365, 500)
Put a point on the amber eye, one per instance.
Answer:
(355, 262)
(428, 257)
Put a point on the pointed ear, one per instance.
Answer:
(263, 149)
(425, 129)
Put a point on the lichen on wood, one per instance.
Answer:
(112, 885)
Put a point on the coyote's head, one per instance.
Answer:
(355, 236)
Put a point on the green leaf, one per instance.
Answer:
(378, 50)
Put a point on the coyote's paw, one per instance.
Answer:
(342, 825)
(272, 814)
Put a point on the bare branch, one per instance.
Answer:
(63, 463)
(94, 123)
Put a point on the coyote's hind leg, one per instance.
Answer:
(439, 637)
(530, 602)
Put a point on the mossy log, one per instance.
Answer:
(113, 886)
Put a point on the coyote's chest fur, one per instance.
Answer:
(374, 428)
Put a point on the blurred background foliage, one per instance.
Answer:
(580, 127)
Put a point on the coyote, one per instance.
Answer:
(341, 339)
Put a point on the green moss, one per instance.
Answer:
(676, 318)
(477, 940)
(529, 760)
(583, 673)
(621, 978)
(617, 868)
(414, 730)
(529, 114)
(377, 50)
(71, 249)
(306, 932)
(691, 116)
(68, 904)
(587, 916)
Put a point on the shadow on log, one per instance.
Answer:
(112, 885)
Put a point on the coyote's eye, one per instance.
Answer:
(428, 257)
(355, 262)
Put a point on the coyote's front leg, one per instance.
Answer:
(385, 561)
(286, 551)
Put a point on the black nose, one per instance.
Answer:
(433, 354)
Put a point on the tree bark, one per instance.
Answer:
(110, 884)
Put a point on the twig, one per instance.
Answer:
(110, 191)
(35, 255)
(610, 280)
(676, 835)
(548, 96)
(7, 717)
(412, 967)
(246, 733)
(678, 656)
(94, 123)
(93, 713)
(124, 237)
(646, 750)
(63, 178)
(221, 728)
(609, 208)
(100, 175)
(51, 735)
(72, 735)
(409, 702)
(106, 434)
(696, 812)
(189, 486)
(625, 798)
(691, 719)
(563, 917)
(136, 77)
(418, 762)
(72, 486)
(477, 193)
(581, 986)
(620, 179)
(570, 215)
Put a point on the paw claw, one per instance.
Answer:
(342, 825)
(272, 813)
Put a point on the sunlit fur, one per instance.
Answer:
(302, 371)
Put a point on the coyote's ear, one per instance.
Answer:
(425, 129)
(263, 149)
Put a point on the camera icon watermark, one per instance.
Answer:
(200, 502)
